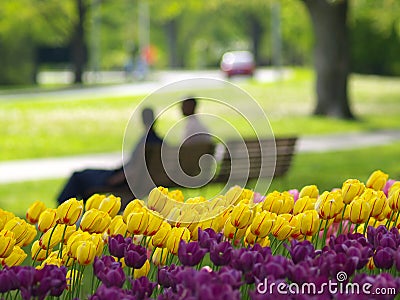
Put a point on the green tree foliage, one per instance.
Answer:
(375, 37)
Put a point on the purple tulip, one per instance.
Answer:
(388, 185)
(117, 245)
(135, 256)
(107, 293)
(103, 263)
(295, 193)
(257, 197)
(300, 251)
(208, 237)
(142, 288)
(244, 260)
(221, 254)
(8, 280)
(230, 276)
(383, 258)
(166, 276)
(190, 254)
(217, 291)
(265, 252)
(109, 271)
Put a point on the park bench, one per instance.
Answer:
(245, 161)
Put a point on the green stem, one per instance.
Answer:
(341, 221)
(316, 236)
(324, 235)
(366, 225)
(234, 237)
(389, 220)
(277, 247)
(397, 217)
(51, 235)
(62, 240)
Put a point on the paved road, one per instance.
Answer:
(118, 89)
(50, 168)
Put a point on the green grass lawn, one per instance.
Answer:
(33, 128)
(327, 170)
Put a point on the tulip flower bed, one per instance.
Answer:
(241, 245)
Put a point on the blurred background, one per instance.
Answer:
(72, 72)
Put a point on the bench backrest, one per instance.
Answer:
(179, 166)
(251, 159)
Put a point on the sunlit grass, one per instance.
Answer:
(326, 170)
(33, 128)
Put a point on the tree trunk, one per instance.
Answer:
(78, 43)
(256, 32)
(331, 56)
(171, 29)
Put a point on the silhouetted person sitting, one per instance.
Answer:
(195, 131)
(82, 183)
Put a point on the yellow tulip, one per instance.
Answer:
(66, 259)
(241, 216)
(359, 211)
(231, 232)
(37, 253)
(137, 222)
(303, 204)
(159, 257)
(377, 180)
(282, 229)
(34, 211)
(51, 238)
(20, 229)
(133, 206)
(94, 201)
(69, 211)
(98, 242)
(158, 200)
(394, 200)
(329, 204)
(154, 224)
(47, 219)
(350, 189)
(75, 240)
(265, 242)
(30, 235)
(51, 260)
(68, 231)
(279, 203)
(117, 226)
(161, 237)
(110, 205)
(143, 271)
(394, 187)
(95, 220)
(294, 223)
(176, 195)
(5, 216)
(85, 253)
(378, 204)
(262, 224)
(310, 191)
(387, 211)
(7, 243)
(250, 238)
(233, 195)
(16, 257)
(309, 222)
(176, 235)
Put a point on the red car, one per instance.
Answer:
(238, 63)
